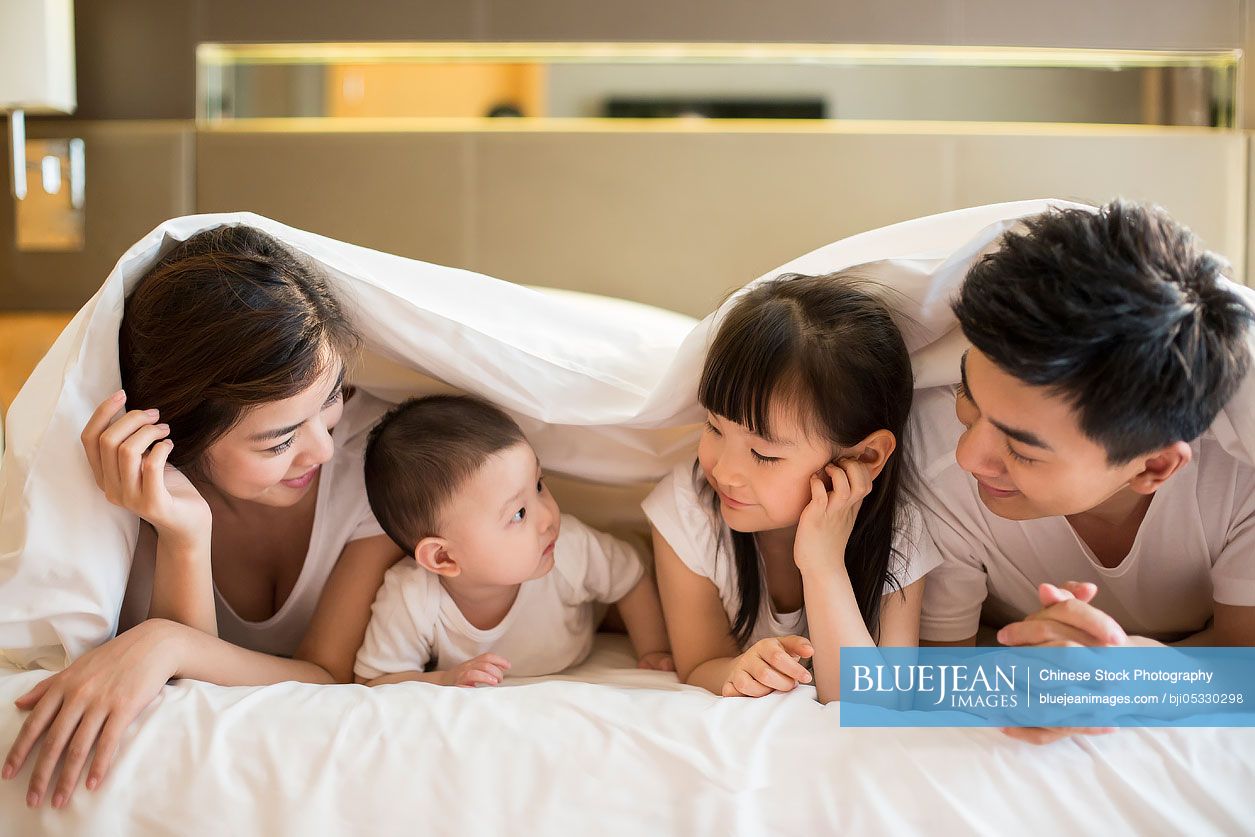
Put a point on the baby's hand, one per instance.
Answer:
(657, 661)
(770, 665)
(484, 670)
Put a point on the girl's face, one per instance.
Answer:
(273, 454)
(762, 484)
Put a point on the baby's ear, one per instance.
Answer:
(875, 450)
(432, 554)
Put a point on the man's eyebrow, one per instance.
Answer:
(1024, 437)
(267, 435)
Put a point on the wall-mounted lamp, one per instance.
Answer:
(47, 177)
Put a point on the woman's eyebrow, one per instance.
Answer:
(267, 435)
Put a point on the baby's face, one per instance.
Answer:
(502, 525)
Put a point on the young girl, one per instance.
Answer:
(791, 537)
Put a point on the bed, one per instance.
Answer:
(613, 750)
(608, 399)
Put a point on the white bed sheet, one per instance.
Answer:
(627, 752)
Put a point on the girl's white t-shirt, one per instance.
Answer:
(702, 540)
(341, 515)
(550, 626)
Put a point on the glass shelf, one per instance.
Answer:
(679, 86)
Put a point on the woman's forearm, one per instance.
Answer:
(198, 656)
(833, 620)
(183, 587)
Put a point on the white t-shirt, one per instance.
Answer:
(1195, 545)
(341, 515)
(702, 540)
(549, 627)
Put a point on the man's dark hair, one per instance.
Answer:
(421, 452)
(1120, 311)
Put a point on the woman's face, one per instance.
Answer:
(273, 454)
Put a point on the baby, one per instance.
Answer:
(496, 580)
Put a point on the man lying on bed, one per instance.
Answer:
(1074, 489)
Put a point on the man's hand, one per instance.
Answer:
(1066, 616)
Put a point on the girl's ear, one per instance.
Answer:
(875, 450)
(432, 554)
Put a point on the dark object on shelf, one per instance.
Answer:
(654, 108)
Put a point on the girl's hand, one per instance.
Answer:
(824, 528)
(92, 702)
(770, 665)
(127, 453)
(484, 670)
(657, 661)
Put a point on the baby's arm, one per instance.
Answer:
(484, 670)
(642, 615)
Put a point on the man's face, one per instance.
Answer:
(1025, 448)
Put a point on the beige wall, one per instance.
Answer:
(138, 175)
(678, 220)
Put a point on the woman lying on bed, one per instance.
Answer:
(232, 355)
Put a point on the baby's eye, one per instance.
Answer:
(519, 516)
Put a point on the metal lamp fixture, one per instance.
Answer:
(37, 76)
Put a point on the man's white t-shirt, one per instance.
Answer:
(702, 540)
(341, 515)
(414, 621)
(1196, 545)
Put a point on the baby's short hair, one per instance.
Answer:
(422, 451)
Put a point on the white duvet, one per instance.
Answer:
(625, 752)
(608, 398)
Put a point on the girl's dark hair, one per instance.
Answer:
(827, 348)
(226, 321)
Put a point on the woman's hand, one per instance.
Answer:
(92, 702)
(128, 455)
(828, 519)
(770, 665)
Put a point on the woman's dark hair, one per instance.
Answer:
(422, 451)
(829, 349)
(228, 320)
(1120, 311)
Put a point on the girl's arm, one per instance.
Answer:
(833, 617)
(705, 652)
(339, 623)
(701, 637)
(642, 616)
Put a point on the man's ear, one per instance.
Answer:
(1159, 465)
(432, 554)
(875, 450)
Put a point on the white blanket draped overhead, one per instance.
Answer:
(603, 396)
